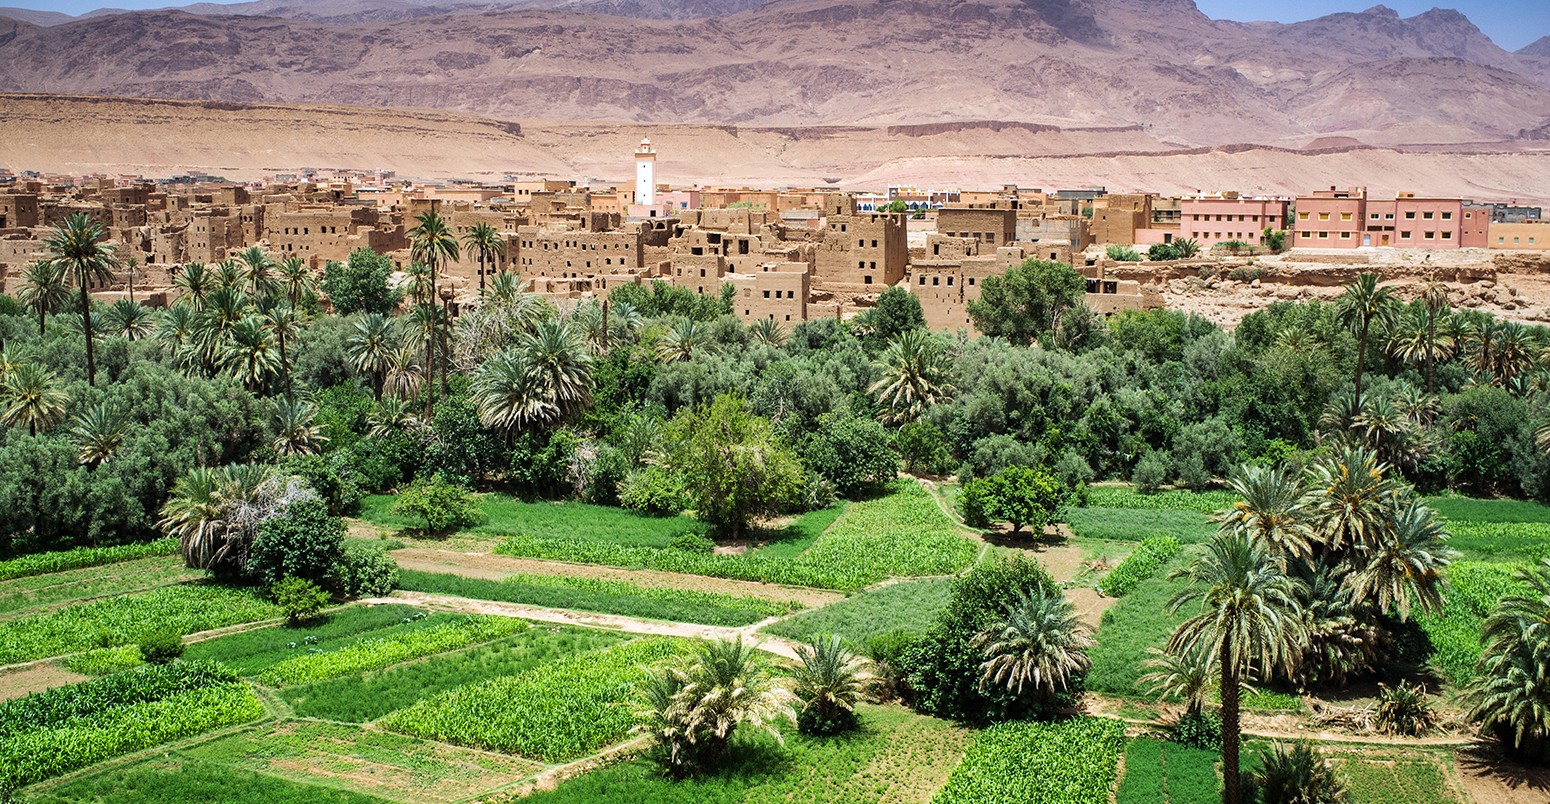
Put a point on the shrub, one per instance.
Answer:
(888, 651)
(653, 491)
(1161, 252)
(1199, 729)
(1151, 472)
(1297, 775)
(303, 542)
(853, 453)
(331, 476)
(299, 598)
(923, 448)
(1148, 558)
(693, 542)
(1403, 709)
(443, 506)
(161, 647)
(1021, 496)
(363, 570)
(1121, 253)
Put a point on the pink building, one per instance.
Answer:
(1209, 221)
(1348, 219)
(1330, 219)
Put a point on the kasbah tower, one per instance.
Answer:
(645, 174)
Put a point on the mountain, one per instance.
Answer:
(1539, 47)
(35, 17)
(1158, 64)
(357, 11)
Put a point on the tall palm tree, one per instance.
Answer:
(194, 282)
(431, 242)
(223, 309)
(296, 279)
(1434, 298)
(484, 241)
(914, 373)
(130, 264)
(1039, 642)
(372, 338)
(176, 331)
(829, 681)
(1270, 509)
(99, 431)
(76, 247)
(1351, 499)
(295, 430)
(257, 270)
(1248, 618)
(682, 341)
(505, 392)
(285, 323)
(1405, 567)
(249, 354)
(32, 396)
(1511, 694)
(130, 320)
(46, 290)
(1388, 432)
(228, 275)
(562, 368)
(402, 373)
(1514, 353)
(1366, 305)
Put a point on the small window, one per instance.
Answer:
(868, 279)
(1345, 216)
(1410, 216)
(1447, 216)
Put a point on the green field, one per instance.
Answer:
(187, 781)
(1163, 772)
(508, 516)
(34, 593)
(1134, 525)
(895, 756)
(607, 597)
(906, 605)
(1065, 762)
(253, 652)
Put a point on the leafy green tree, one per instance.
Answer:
(923, 448)
(1022, 497)
(1249, 618)
(303, 541)
(735, 469)
(853, 453)
(1029, 302)
(360, 284)
(442, 506)
(78, 249)
(898, 311)
(299, 598)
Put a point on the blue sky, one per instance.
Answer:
(1512, 23)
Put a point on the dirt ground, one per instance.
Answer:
(493, 567)
(35, 678)
(1492, 782)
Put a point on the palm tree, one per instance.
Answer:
(682, 341)
(99, 432)
(1298, 775)
(214, 513)
(914, 374)
(249, 354)
(1511, 695)
(1388, 432)
(130, 320)
(561, 366)
(33, 397)
(228, 276)
(392, 415)
(1186, 676)
(1270, 509)
(1039, 642)
(76, 247)
(1542, 437)
(1351, 498)
(295, 432)
(505, 392)
(130, 264)
(768, 332)
(482, 240)
(257, 271)
(828, 680)
(693, 711)
(1416, 405)
(402, 373)
(177, 330)
(194, 282)
(46, 290)
(1434, 297)
(427, 320)
(1364, 306)
(1514, 354)
(431, 242)
(1405, 567)
(505, 287)
(285, 323)
(370, 342)
(296, 279)
(1249, 618)
(1186, 247)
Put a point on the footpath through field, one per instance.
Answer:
(494, 568)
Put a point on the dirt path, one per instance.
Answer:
(35, 678)
(1487, 780)
(493, 567)
(591, 620)
(1090, 605)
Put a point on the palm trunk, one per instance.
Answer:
(91, 359)
(42, 319)
(1232, 782)
(446, 344)
(285, 367)
(1361, 362)
(481, 274)
(1431, 352)
(430, 348)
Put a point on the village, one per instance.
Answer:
(790, 255)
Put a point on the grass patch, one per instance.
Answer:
(895, 755)
(1203, 502)
(43, 563)
(1500, 541)
(593, 524)
(1394, 775)
(252, 652)
(167, 781)
(1164, 772)
(556, 712)
(125, 577)
(442, 632)
(1476, 510)
(907, 605)
(1132, 525)
(903, 534)
(1069, 762)
(801, 534)
(1139, 620)
(186, 608)
(383, 763)
(367, 696)
(1474, 589)
(1140, 565)
(607, 597)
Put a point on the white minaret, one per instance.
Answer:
(645, 174)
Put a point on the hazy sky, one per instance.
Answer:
(1512, 23)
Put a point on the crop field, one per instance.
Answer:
(177, 780)
(443, 633)
(1136, 524)
(907, 605)
(895, 756)
(1067, 762)
(252, 652)
(604, 596)
(508, 516)
(367, 696)
(35, 593)
(1164, 772)
(558, 711)
(82, 557)
(1147, 559)
(903, 534)
(1139, 620)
